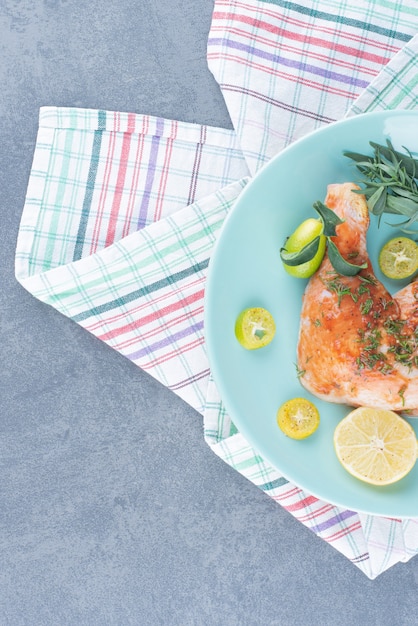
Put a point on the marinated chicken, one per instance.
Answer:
(357, 342)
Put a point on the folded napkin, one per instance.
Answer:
(122, 209)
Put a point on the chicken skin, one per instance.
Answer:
(357, 342)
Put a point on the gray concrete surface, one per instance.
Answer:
(109, 514)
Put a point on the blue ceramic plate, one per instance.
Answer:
(245, 270)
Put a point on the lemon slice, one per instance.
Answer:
(376, 446)
(399, 258)
(298, 418)
(255, 328)
(304, 234)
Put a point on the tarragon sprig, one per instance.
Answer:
(390, 183)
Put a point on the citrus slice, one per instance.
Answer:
(255, 328)
(298, 418)
(376, 446)
(304, 234)
(398, 258)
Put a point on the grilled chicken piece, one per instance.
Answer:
(358, 343)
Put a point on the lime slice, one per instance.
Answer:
(298, 418)
(255, 328)
(376, 446)
(399, 258)
(304, 234)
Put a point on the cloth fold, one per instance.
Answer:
(123, 210)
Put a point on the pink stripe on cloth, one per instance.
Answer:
(120, 182)
(151, 317)
(159, 204)
(302, 504)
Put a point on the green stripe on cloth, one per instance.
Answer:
(134, 295)
(141, 262)
(61, 187)
(90, 187)
(395, 86)
(345, 21)
(407, 89)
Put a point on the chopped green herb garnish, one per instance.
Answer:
(405, 345)
(368, 278)
(393, 327)
(341, 290)
(401, 393)
(299, 372)
(370, 354)
(386, 303)
(361, 289)
(366, 306)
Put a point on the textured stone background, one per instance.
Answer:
(112, 508)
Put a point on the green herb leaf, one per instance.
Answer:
(304, 255)
(411, 231)
(377, 201)
(402, 206)
(390, 182)
(329, 218)
(360, 159)
(340, 265)
(406, 160)
(405, 193)
(406, 223)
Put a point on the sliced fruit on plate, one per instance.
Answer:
(298, 418)
(398, 258)
(255, 328)
(375, 445)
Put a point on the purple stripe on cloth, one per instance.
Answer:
(281, 105)
(192, 379)
(360, 558)
(155, 143)
(196, 166)
(332, 521)
(165, 342)
(319, 71)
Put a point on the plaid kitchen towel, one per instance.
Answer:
(122, 210)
